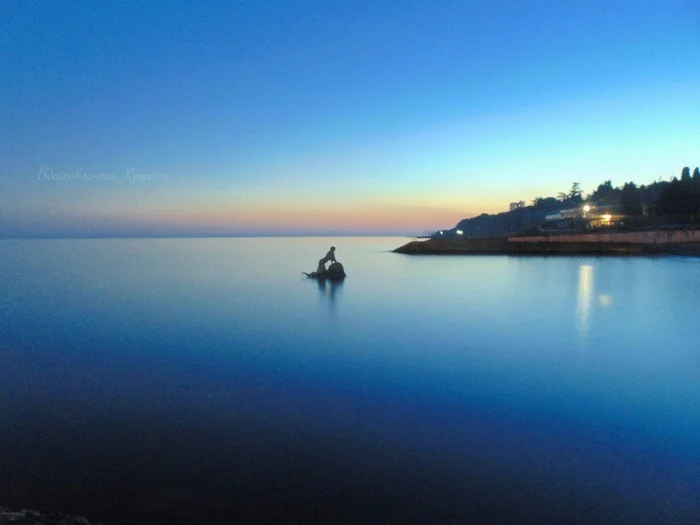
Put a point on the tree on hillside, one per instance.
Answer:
(603, 190)
(630, 199)
(685, 174)
(696, 174)
(606, 195)
(575, 192)
(678, 198)
(546, 204)
(574, 197)
(650, 196)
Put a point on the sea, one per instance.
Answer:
(156, 381)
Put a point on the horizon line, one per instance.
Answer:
(203, 236)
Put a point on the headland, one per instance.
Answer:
(656, 219)
(647, 243)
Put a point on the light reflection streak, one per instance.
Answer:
(585, 295)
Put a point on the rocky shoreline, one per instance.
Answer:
(505, 246)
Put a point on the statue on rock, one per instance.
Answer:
(335, 271)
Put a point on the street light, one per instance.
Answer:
(459, 232)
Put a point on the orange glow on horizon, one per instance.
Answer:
(301, 214)
(370, 218)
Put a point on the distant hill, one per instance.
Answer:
(502, 224)
(659, 204)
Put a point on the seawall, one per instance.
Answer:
(648, 237)
(630, 243)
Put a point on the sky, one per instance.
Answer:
(329, 118)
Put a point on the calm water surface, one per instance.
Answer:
(143, 379)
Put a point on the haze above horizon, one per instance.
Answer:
(313, 118)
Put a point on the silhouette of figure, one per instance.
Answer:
(330, 257)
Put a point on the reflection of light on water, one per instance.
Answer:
(585, 293)
(587, 300)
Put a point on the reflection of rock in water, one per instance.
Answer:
(329, 289)
(329, 281)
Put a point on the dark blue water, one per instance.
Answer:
(145, 379)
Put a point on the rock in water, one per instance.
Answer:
(335, 272)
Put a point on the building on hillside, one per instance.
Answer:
(586, 218)
(516, 205)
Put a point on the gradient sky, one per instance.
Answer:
(313, 117)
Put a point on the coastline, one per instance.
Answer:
(585, 244)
